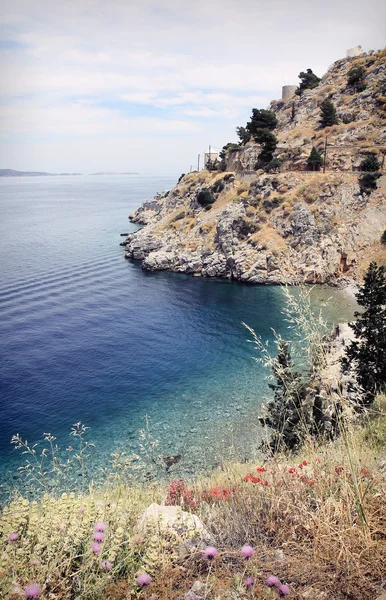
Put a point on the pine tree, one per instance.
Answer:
(367, 354)
(308, 81)
(261, 119)
(268, 142)
(315, 160)
(243, 134)
(328, 114)
(284, 412)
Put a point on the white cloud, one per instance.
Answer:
(86, 66)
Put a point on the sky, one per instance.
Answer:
(147, 85)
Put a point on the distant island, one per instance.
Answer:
(112, 173)
(13, 173)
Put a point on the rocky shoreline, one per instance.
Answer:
(290, 228)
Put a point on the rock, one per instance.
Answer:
(171, 459)
(164, 517)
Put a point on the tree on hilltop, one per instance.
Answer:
(328, 115)
(308, 81)
(367, 354)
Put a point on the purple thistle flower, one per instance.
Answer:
(13, 537)
(210, 552)
(143, 579)
(96, 548)
(99, 536)
(100, 527)
(81, 510)
(272, 581)
(249, 582)
(106, 565)
(32, 590)
(284, 590)
(247, 551)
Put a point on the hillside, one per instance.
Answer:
(290, 225)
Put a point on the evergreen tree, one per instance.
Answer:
(367, 354)
(243, 134)
(308, 81)
(269, 143)
(261, 119)
(284, 412)
(315, 160)
(328, 114)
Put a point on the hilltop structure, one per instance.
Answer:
(279, 221)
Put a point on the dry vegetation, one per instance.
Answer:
(302, 515)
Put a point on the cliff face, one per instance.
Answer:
(293, 226)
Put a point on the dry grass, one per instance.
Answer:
(300, 513)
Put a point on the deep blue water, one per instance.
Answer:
(88, 336)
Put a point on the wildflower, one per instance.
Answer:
(143, 579)
(32, 590)
(284, 590)
(106, 565)
(273, 581)
(247, 551)
(13, 537)
(100, 527)
(210, 552)
(261, 470)
(96, 548)
(81, 510)
(292, 470)
(249, 582)
(338, 469)
(99, 536)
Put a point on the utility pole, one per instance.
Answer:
(325, 156)
(191, 167)
(198, 163)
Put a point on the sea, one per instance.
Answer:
(153, 364)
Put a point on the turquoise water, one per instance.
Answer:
(88, 336)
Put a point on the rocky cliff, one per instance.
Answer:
(290, 226)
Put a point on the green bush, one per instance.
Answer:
(218, 186)
(368, 182)
(205, 197)
(370, 163)
(273, 166)
(355, 78)
(383, 237)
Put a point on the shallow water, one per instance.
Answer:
(88, 336)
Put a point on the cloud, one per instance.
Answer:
(91, 69)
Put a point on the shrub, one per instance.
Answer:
(273, 166)
(368, 182)
(370, 163)
(383, 237)
(315, 160)
(218, 186)
(355, 78)
(205, 197)
(328, 116)
(366, 355)
(308, 80)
